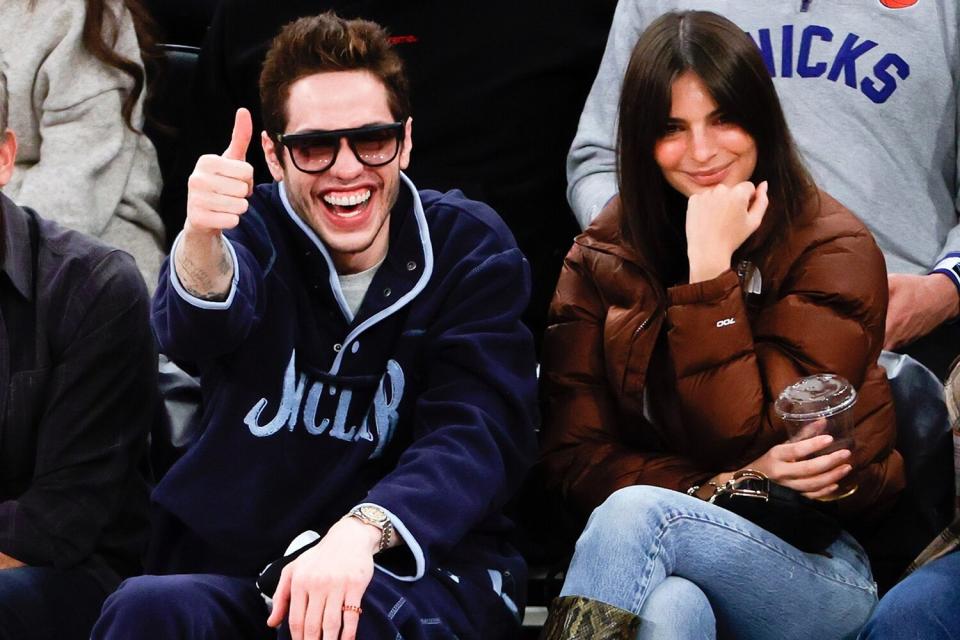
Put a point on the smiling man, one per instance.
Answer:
(369, 388)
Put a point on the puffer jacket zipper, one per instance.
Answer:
(645, 323)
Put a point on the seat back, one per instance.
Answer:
(925, 441)
(169, 101)
(180, 425)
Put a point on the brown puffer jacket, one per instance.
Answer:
(821, 309)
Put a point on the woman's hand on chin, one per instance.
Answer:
(719, 220)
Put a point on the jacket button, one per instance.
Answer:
(411, 265)
(337, 347)
(387, 292)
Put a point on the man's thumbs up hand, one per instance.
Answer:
(219, 185)
(240, 139)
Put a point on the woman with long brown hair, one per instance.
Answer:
(721, 277)
(77, 86)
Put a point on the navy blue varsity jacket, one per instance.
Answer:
(423, 403)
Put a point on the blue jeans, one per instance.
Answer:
(925, 606)
(694, 570)
(43, 603)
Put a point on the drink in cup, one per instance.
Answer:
(817, 405)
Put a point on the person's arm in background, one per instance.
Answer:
(592, 161)
(921, 303)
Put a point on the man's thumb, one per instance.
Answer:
(240, 139)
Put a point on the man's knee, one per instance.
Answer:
(144, 600)
(196, 606)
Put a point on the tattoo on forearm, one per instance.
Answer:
(197, 282)
(225, 264)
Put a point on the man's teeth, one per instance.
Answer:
(350, 200)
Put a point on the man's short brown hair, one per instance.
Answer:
(323, 43)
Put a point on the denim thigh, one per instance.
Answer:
(925, 606)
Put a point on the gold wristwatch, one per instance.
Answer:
(373, 515)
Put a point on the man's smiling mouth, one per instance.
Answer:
(346, 204)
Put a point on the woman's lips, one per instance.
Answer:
(709, 177)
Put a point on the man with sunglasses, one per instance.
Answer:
(369, 387)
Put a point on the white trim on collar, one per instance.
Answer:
(402, 301)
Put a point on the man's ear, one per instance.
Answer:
(8, 156)
(407, 144)
(270, 153)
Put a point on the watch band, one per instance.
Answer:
(377, 517)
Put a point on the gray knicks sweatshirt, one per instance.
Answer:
(869, 92)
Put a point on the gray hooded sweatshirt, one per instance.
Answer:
(870, 95)
(78, 163)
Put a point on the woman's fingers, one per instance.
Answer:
(823, 493)
(793, 451)
(812, 484)
(758, 206)
(816, 465)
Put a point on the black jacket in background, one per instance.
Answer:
(497, 89)
(78, 394)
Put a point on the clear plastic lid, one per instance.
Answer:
(818, 396)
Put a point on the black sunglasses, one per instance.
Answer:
(316, 151)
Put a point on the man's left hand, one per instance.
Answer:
(918, 305)
(316, 587)
(9, 562)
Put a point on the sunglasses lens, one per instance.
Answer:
(313, 154)
(375, 147)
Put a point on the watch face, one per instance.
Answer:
(373, 513)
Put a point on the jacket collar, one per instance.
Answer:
(409, 242)
(17, 249)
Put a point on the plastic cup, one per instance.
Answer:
(817, 405)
